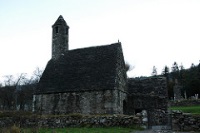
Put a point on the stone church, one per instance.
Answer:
(93, 81)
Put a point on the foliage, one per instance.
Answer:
(14, 129)
(188, 109)
(189, 79)
(165, 71)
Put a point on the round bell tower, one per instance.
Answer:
(60, 37)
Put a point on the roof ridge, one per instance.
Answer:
(98, 46)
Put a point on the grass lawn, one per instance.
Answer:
(77, 130)
(188, 109)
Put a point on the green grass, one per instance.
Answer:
(80, 130)
(188, 109)
(16, 129)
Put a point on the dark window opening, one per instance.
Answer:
(56, 29)
(66, 31)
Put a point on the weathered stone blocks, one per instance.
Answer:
(88, 102)
(73, 121)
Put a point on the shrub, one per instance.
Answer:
(14, 113)
(4, 130)
(14, 129)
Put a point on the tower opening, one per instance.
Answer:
(56, 29)
(66, 31)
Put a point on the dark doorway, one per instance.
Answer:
(124, 107)
(138, 111)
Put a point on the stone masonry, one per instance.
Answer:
(88, 102)
(149, 94)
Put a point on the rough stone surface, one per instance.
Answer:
(152, 86)
(88, 102)
(149, 94)
(185, 121)
(60, 38)
(72, 121)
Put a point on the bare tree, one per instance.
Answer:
(25, 94)
(37, 73)
(20, 79)
(18, 90)
(9, 93)
(154, 72)
(9, 80)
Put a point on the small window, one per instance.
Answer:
(56, 29)
(66, 31)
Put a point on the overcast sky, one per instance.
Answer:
(152, 32)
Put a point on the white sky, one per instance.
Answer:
(152, 32)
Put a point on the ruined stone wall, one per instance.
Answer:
(149, 94)
(156, 108)
(86, 102)
(185, 121)
(72, 121)
(150, 86)
(145, 102)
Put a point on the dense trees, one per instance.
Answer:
(189, 79)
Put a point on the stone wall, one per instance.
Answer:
(185, 121)
(180, 121)
(149, 94)
(121, 77)
(145, 102)
(73, 121)
(156, 108)
(148, 85)
(85, 102)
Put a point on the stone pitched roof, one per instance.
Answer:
(60, 21)
(91, 68)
